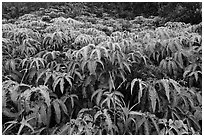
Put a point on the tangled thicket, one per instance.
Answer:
(92, 75)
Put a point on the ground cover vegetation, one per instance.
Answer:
(91, 75)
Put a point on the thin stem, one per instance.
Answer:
(26, 70)
(8, 53)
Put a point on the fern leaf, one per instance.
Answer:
(43, 114)
(85, 52)
(63, 106)
(175, 85)
(146, 127)
(175, 116)
(72, 96)
(14, 93)
(62, 85)
(98, 98)
(38, 64)
(25, 123)
(39, 76)
(9, 126)
(45, 93)
(196, 76)
(57, 111)
(136, 113)
(83, 64)
(108, 119)
(165, 84)
(99, 61)
(68, 78)
(78, 74)
(169, 67)
(153, 97)
(140, 122)
(133, 83)
(118, 94)
(98, 113)
(98, 54)
(195, 123)
(140, 90)
(163, 64)
(48, 75)
(56, 81)
(98, 91)
(49, 112)
(127, 66)
(174, 67)
(155, 125)
(31, 74)
(107, 101)
(180, 59)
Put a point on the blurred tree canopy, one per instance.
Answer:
(188, 12)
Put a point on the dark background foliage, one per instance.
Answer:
(188, 12)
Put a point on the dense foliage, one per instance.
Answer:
(99, 75)
(188, 12)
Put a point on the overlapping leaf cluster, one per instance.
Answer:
(76, 77)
